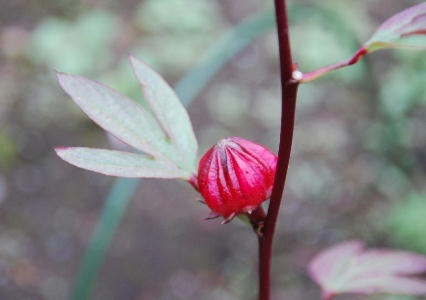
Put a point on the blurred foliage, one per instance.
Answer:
(74, 47)
(166, 29)
(359, 159)
(400, 298)
(157, 16)
(407, 223)
(7, 150)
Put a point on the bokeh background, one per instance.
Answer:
(359, 158)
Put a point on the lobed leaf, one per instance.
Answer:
(349, 268)
(169, 111)
(406, 29)
(122, 117)
(119, 163)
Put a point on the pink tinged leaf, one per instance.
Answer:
(406, 29)
(119, 115)
(390, 261)
(118, 163)
(169, 111)
(329, 264)
(348, 268)
(387, 285)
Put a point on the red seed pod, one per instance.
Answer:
(235, 176)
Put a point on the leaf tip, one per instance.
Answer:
(60, 74)
(139, 67)
(63, 78)
(60, 150)
(131, 57)
(134, 60)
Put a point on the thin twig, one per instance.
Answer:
(289, 93)
(310, 76)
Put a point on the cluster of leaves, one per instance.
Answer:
(165, 137)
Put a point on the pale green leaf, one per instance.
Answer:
(119, 115)
(119, 163)
(169, 111)
(406, 29)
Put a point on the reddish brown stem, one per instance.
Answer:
(289, 93)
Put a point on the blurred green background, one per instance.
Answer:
(359, 158)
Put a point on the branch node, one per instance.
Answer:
(296, 76)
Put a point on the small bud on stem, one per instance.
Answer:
(235, 176)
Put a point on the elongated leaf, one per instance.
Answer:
(406, 29)
(349, 268)
(169, 111)
(121, 116)
(119, 163)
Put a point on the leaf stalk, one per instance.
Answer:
(310, 76)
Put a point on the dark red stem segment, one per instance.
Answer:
(257, 220)
(289, 93)
(307, 77)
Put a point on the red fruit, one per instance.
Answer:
(235, 176)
